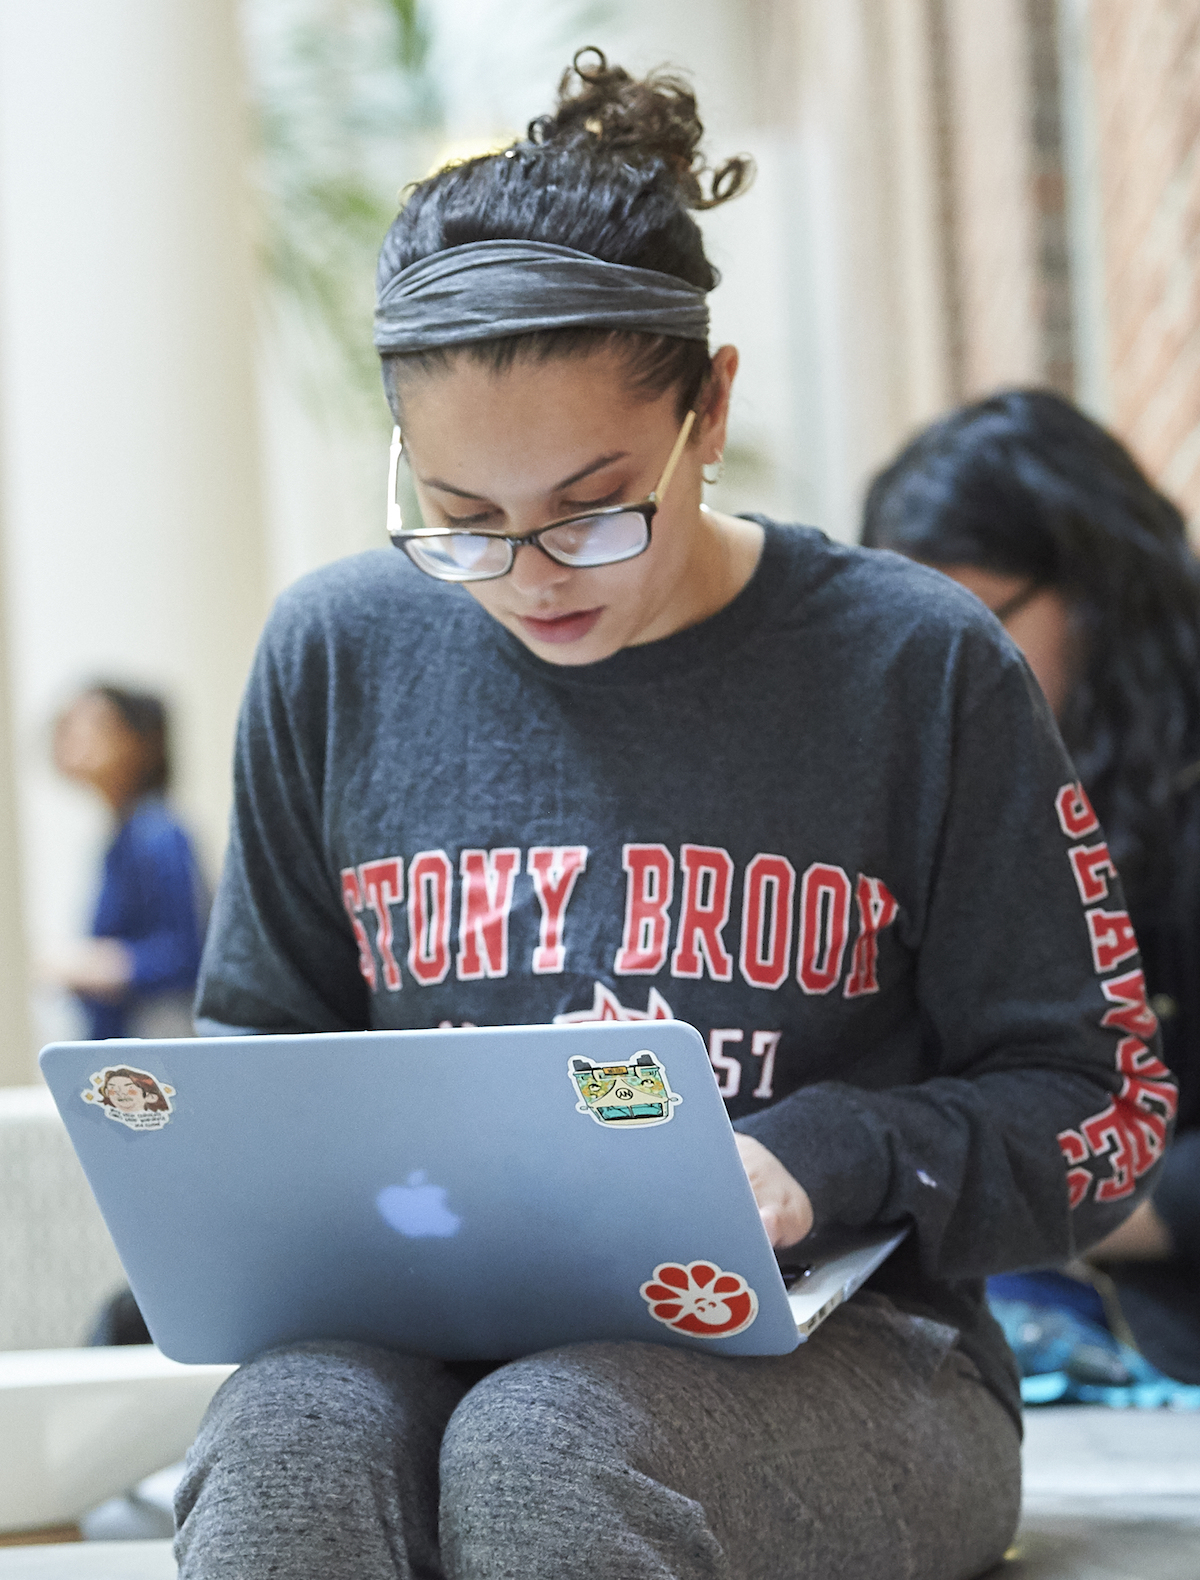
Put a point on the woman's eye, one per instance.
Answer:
(577, 506)
(465, 522)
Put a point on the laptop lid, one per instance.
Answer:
(476, 1193)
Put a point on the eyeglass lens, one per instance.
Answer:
(472, 556)
(460, 556)
(598, 540)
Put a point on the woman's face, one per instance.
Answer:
(125, 1094)
(513, 451)
(94, 746)
(1040, 626)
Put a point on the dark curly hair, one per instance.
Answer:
(614, 172)
(1024, 484)
(146, 716)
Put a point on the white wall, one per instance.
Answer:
(16, 1035)
(130, 464)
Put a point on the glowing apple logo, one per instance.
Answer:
(417, 1208)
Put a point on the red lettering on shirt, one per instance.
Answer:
(487, 889)
(1090, 863)
(649, 888)
(1131, 1132)
(1136, 1060)
(429, 878)
(1112, 937)
(383, 885)
(1108, 1134)
(555, 871)
(767, 893)
(707, 881)
(1075, 815)
(1079, 1180)
(353, 901)
(824, 918)
(1134, 1015)
(1149, 1102)
(876, 910)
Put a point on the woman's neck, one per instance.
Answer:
(728, 551)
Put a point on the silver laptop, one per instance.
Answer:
(469, 1194)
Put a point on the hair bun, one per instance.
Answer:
(655, 118)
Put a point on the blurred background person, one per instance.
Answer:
(136, 973)
(1049, 520)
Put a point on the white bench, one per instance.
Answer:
(77, 1425)
(89, 1561)
(57, 1262)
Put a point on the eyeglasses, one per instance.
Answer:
(598, 537)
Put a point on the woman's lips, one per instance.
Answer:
(562, 627)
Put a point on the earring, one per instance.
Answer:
(715, 468)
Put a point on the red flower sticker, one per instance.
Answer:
(700, 1299)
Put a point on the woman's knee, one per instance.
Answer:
(319, 1459)
(320, 1398)
(556, 1405)
(547, 1467)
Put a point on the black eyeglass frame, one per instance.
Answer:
(402, 536)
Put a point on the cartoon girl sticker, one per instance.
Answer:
(135, 1098)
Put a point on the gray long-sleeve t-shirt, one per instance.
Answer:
(833, 827)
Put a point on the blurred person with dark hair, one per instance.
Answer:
(136, 973)
(1050, 521)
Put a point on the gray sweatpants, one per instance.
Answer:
(873, 1450)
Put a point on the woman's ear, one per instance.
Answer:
(714, 412)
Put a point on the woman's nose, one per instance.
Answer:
(534, 571)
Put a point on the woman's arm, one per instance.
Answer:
(280, 956)
(1048, 1107)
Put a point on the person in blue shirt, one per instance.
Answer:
(136, 973)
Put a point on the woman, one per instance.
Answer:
(136, 974)
(1050, 521)
(586, 750)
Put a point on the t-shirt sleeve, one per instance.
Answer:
(1047, 1106)
(280, 954)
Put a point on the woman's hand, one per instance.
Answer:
(1143, 1237)
(783, 1203)
(100, 968)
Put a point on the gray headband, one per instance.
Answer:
(487, 289)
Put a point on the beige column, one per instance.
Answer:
(1085, 208)
(1145, 89)
(16, 1036)
(131, 456)
(916, 252)
(869, 271)
(996, 240)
